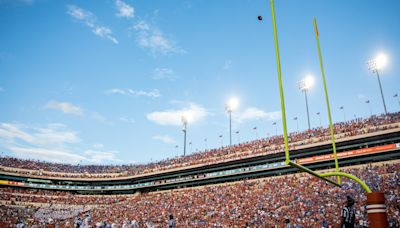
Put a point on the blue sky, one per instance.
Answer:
(108, 81)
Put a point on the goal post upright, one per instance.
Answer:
(282, 99)
(326, 99)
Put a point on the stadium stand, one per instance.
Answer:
(344, 130)
(305, 200)
(242, 202)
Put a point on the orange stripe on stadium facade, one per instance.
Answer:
(350, 153)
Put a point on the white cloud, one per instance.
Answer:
(46, 143)
(81, 14)
(97, 116)
(52, 142)
(193, 113)
(153, 93)
(10, 132)
(105, 32)
(97, 156)
(164, 138)
(254, 113)
(163, 73)
(127, 120)
(362, 97)
(117, 91)
(69, 108)
(51, 134)
(65, 107)
(90, 20)
(130, 92)
(142, 26)
(52, 155)
(154, 40)
(228, 64)
(124, 10)
(98, 145)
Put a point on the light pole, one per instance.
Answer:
(231, 105)
(368, 102)
(297, 122)
(176, 148)
(238, 137)
(319, 117)
(374, 66)
(184, 129)
(222, 140)
(276, 128)
(190, 144)
(304, 86)
(255, 130)
(205, 144)
(344, 114)
(396, 95)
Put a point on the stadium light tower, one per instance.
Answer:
(319, 117)
(222, 140)
(368, 102)
(184, 129)
(238, 136)
(374, 66)
(297, 122)
(205, 144)
(398, 99)
(304, 86)
(344, 114)
(255, 130)
(176, 148)
(231, 105)
(276, 128)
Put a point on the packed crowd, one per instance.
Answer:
(265, 146)
(49, 197)
(301, 199)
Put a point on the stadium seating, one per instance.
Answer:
(301, 198)
(272, 145)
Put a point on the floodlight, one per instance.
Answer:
(306, 83)
(375, 65)
(184, 119)
(381, 61)
(232, 104)
(309, 82)
(304, 86)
